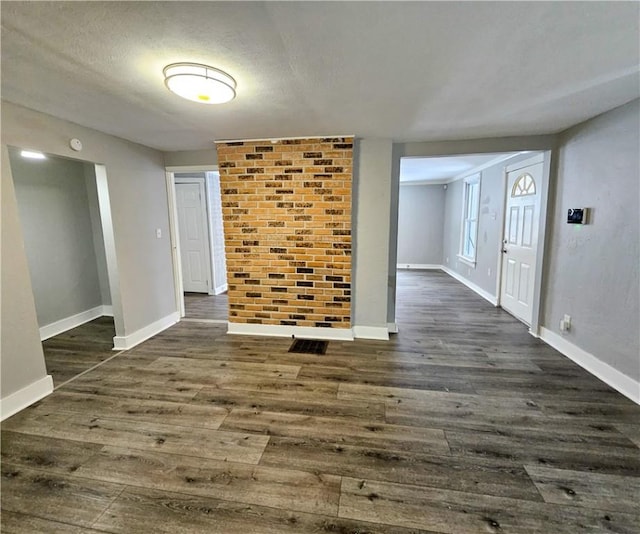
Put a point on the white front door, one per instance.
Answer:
(192, 229)
(520, 242)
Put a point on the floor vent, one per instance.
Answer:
(309, 346)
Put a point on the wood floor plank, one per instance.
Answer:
(338, 430)
(205, 443)
(631, 431)
(596, 455)
(290, 402)
(58, 456)
(491, 477)
(170, 413)
(590, 490)
(17, 523)
(197, 365)
(465, 513)
(53, 496)
(249, 484)
(101, 382)
(161, 512)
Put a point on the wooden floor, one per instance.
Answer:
(462, 423)
(210, 307)
(73, 352)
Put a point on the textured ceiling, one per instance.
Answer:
(401, 70)
(443, 169)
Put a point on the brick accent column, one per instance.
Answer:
(287, 223)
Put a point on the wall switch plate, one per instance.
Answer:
(158, 233)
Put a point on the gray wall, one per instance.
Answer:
(372, 215)
(58, 235)
(137, 190)
(21, 355)
(484, 275)
(592, 270)
(420, 224)
(188, 158)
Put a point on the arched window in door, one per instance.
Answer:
(523, 186)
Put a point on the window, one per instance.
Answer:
(470, 211)
(525, 185)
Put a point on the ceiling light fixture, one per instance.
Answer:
(32, 154)
(199, 83)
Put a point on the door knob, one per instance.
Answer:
(504, 250)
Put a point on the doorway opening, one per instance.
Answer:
(197, 235)
(65, 215)
(455, 213)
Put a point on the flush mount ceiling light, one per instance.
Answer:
(199, 83)
(32, 154)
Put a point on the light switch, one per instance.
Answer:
(158, 233)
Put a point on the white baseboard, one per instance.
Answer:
(371, 332)
(393, 328)
(107, 310)
(626, 385)
(484, 294)
(26, 396)
(58, 327)
(421, 266)
(341, 334)
(137, 337)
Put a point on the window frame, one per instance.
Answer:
(468, 212)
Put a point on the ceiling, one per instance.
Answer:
(402, 70)
(444, 169)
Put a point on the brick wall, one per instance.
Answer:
(287, 223)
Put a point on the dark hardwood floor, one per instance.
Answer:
(462, 423)
(74, 351)
(209, 307)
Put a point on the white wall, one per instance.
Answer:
(53, 203)
(592, 270)
(137, 190)
(420, 224)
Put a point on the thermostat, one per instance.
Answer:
(577, 215)
(75, 144)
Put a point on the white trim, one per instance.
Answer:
(58, 327)
(393, 328)
(137, 337)
(26, 396)
(483, 293)
(420, 266)
(245, 329)
(624, 384)
(175, 243)
(209, 321)
(538, 158)
(221, 289)
(466, 261)
(107, 310)
(276, 139)
(371, 332)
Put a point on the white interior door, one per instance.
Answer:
(192, 229)
(520, 243)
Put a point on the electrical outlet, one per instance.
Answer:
(565, 323)
(489, 271)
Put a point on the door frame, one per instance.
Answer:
(201, 182)
(536, 314)
(173, 227)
